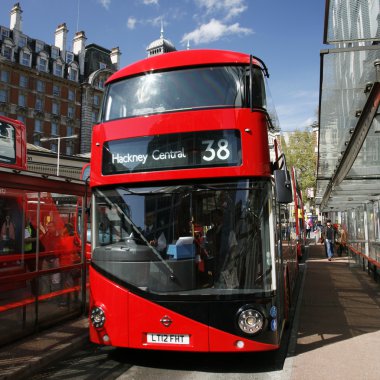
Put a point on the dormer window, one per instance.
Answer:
(39, 46)
(4, 32)
(69, 57)
(7, 49)
(73, 74)
(42, 64)
(7, 52)
(25, 58)
(58, 69)
(22, 42)
(54, 52)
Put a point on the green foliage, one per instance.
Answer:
(300, 153)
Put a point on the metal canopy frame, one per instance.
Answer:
(349, 128)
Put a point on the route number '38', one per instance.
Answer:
(217, 149)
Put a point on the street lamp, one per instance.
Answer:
(43, 139)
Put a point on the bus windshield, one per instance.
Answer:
(185, 89)
(188, 239)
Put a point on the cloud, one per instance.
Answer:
(227, 8)
(131, 23)
(105, 3)
(148, 2)
(298, 116)
(213, 31)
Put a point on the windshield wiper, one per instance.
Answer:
(138, 232)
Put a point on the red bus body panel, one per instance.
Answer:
(130, 318)
(182, 59)
(254, 137)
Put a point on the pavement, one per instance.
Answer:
(336, 329)
(22, 358)
(335, 332)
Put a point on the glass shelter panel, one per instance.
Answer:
(40, 260)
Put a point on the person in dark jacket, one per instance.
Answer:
(329, 236)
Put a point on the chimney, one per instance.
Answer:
(60, 38)
(115, 57)
(16, 18)
(79, 49)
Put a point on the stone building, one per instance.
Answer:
(54, 91)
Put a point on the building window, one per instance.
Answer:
(39, 46)
(94, 117)
(7, 52)
(37, 125)
(54, 146)
(25, 58)
(40, 86)
(69, 131)
(24, 81)
(70, 112)
(21, 118)
(101, 83)
(3, 96)
(42, 64)
(71, 95)
(102, 65)
(58, 70)
(22, 41)
(4, 32)
(96, 100)
(69, 57)
(54, 52)
(54, 129)
(69, 150)
(4, 76)
(56, 90)
(55, 108)
(73, 74)
(22, 100)
(39, 104)
(36, 140)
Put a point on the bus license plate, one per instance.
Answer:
(168, 338)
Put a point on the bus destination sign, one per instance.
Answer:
(172, 152)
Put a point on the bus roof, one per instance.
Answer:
(182, 58)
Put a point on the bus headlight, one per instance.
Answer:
(98, 317)
(251, 321)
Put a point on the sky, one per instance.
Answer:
(286, 35)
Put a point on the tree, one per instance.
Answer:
(300, 153)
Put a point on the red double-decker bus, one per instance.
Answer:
(12, 143)
(189, 214)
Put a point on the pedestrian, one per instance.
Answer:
(329, 238)
(342, 240)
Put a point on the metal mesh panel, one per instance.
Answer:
(353, 21)
(345, 76)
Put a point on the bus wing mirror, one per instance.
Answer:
(283, 186)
